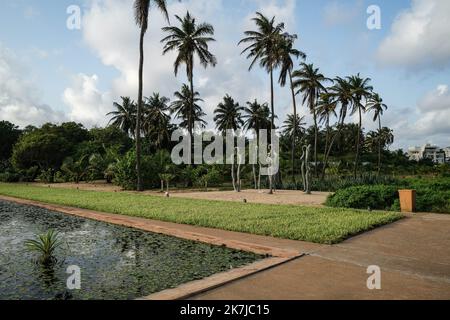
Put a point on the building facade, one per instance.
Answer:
(428, 151)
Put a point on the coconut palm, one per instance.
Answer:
(189, 40)
(182, 110)
(377, 106)
(361, 92)
(294, 128)
(287, 53)
(325, 110)
(309, 81)
(124, 117)
(156, 119)
(141, 12)
(263, 48)
(228, 115)
(256, 117)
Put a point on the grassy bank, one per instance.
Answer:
(320, 225)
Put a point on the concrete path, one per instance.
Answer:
(413, 254)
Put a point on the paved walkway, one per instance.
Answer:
(413, 254)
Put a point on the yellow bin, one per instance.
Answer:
(407, 200)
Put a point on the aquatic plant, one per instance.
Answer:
(45, 244)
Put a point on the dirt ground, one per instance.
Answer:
(251, 196)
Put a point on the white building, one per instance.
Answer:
(428, 151)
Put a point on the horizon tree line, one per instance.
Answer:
(273, 49)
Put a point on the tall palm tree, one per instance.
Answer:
(141, 12)
(263, 47)
(181, 107)
(377, 106)
(228, 115)
(361, 92)
(124, 117)
(325, 110)
(189, 40)
(156, 119)
(293, 128)
(286, 54)
(257, 117)
(309, 81)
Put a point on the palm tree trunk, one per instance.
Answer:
(379, 144)
(315, 141)
(330, 147)
(358, 142)
(295, 127)
(272, 107)
(139, 110)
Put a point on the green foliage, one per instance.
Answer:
(9, 177)
(433, 195)
(75, 170)
(363, 197)
(320, 225)
(46, 245)
(9, 134)
(125, 171)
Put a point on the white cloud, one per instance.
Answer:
(419, 37)
(339, 12)
(87, 104)
(19, 98)
(121, 51)
(427, 122)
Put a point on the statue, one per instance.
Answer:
(237, 183)
(306, 168)
(269, 161)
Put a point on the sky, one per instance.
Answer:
(50, 73)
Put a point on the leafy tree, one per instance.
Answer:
(263, 47)
(124, 117)
(228, 115)
(156, 120)
(361, 92)
(141, 12)
(309, 82)
(378, 107)
(9, 134)
(181, 108)
(188, 40)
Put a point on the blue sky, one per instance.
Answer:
(55, 74)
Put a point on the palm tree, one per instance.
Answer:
(292, 128)
(286, 53)
(377, 106)
(181, 107)
(124, 117)
(189, 40)
(325, 110)
(263, 47)
(141, 12)
(228, 115)
(309, 83)
(360, 90)
(256, 117)
(156, 120)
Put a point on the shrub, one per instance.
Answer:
(9, 177)
(125, 172)
(378, 197)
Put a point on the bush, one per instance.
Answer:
(125, 172)
(379, 197)
(9, 177)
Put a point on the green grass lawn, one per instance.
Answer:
(320, 225)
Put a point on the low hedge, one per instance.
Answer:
(377, 197)
(381, 197)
